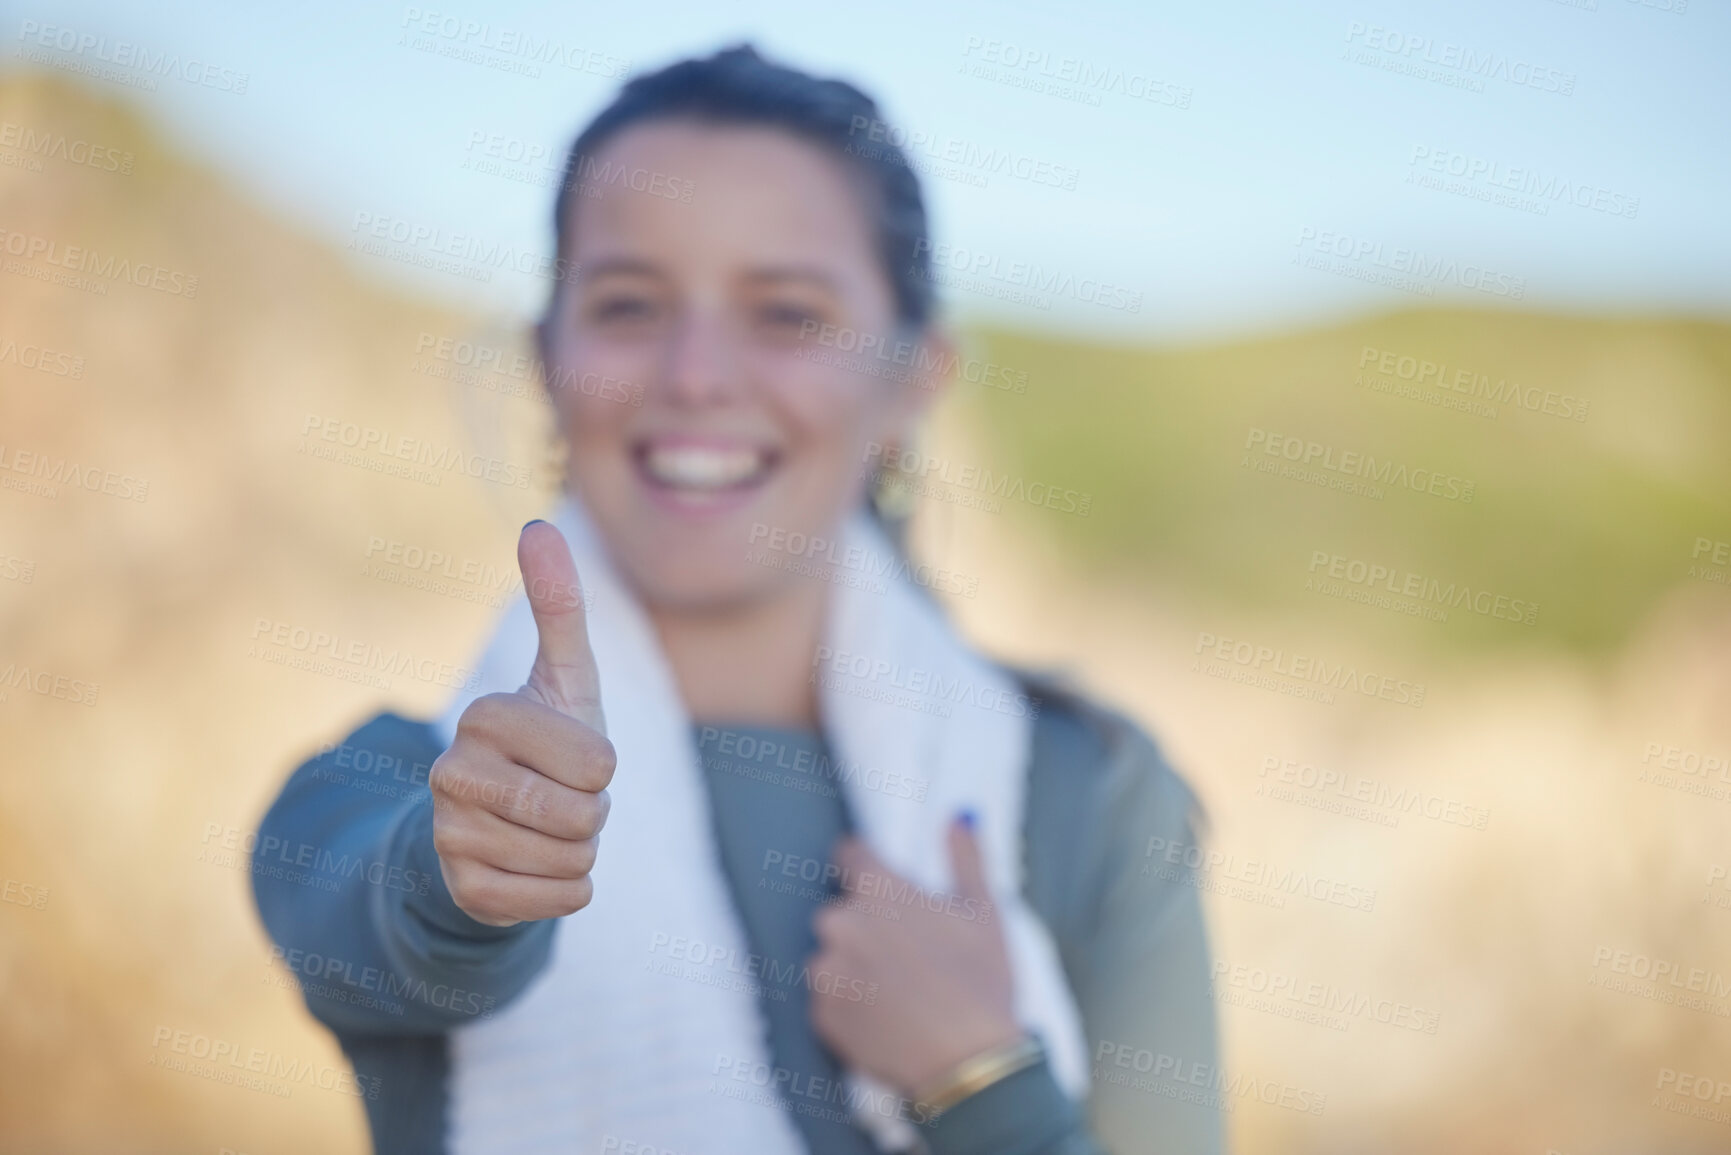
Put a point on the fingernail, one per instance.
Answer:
(967, 818)
(537, 521)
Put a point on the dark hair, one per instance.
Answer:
(736, 86)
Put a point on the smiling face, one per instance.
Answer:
(714, 309)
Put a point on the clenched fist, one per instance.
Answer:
(520, 797)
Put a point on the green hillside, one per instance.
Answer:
(1592, 516)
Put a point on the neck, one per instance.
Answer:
(748, 664)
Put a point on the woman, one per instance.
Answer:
(861, 889)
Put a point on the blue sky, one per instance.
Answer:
(1187, 170)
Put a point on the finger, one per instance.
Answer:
(832, 922)
(484, 780)
(564, 675)
(489, 781)
(967, 862)
(827, 1015)
(538, 736)
(861, 869)
(490, 894)
(565, 813)
(492, 841)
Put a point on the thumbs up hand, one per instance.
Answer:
(907, 984)
(520, 796)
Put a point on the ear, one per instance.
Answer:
(550, 375)
(544, 336)
(543, 329)
(933, 366)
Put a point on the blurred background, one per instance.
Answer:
(1385, 350)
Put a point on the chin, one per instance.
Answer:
(695, 584)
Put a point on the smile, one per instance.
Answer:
(695, 468)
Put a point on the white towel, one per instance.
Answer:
(605, 1048)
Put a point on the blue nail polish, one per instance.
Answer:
(537, 521)
(968, 818)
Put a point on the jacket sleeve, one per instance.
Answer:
(1141, 970)
(1134, 948)
(349, 888)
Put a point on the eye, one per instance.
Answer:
(622, 307)
(786, 318)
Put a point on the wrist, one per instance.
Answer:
(977, 1072)
(1023, 1112)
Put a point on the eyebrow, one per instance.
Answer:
(635, 266)
(627, 265)
(795, 273)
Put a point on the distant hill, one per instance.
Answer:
(1594, 449)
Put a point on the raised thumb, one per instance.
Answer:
(564, 675)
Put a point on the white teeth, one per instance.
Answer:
(702, 467)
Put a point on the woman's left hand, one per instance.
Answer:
(938, 969)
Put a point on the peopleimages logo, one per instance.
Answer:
(1691, 770)
(529, 162)
(757, 969)
(858, 559)
(768, 760)
(1306, 675)
(46, 473)
(1353, 463)
(1068, 77)
(1427, 58)
(25, 894)
(459, 37)
(383, 451)
(1360, 797)
(887, 888)
(291, 640)
(224, 1061)
(1288, 996)
(375, 980)
(1521, 179)
(1405, 583)
(464, 254)
(1439, 375)
(1190, 1081)
(79, 259)
(989, 267)
(1690, 1091)
(919, 359)
(1209, 868)
(915, 687)
(266, 854)
(41, 359)
(899, 465)
(479, 364)
(59, 146)
(972, 157)
(1402, 268)
(1670, 972)
(14, 676)
(93, 51)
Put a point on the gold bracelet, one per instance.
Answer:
(981, 1071)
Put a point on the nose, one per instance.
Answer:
(702, 363)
